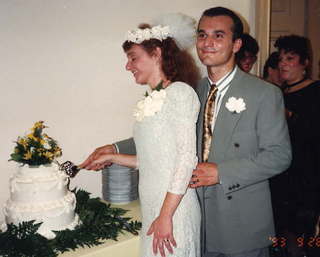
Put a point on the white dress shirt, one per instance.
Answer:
(223, 86)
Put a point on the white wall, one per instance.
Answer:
(61, 61)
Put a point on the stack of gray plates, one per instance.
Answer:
(119, 184)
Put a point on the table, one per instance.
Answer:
(126, 246)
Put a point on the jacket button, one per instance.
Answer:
(230, 188)
(236, 145)
(229, 197)
(237, 185)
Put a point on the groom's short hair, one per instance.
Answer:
(237, 27)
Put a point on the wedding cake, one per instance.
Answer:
(38, 188)
(41, 194)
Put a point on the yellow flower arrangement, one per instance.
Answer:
(36, 148)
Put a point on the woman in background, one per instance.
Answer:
(296, 192)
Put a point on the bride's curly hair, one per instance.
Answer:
(177, 65)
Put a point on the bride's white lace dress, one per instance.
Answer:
(166, 152)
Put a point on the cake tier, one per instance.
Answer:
(55, 215)
(49, 234)
(44, 183)
(41, 194)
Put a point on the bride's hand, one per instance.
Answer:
(161, 228)
(96, 155)
(100, 162)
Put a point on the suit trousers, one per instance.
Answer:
(261, 252)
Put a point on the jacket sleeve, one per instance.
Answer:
(126, 146)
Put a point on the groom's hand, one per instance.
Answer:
(205, 174)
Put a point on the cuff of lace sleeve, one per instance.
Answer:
(137, 164)
(177, 192)
(116, 147)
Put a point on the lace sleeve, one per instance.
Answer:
(184, 114)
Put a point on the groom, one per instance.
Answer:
(249, 144)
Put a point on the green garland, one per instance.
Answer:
(99, 222)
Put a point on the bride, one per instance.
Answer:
(164, 135)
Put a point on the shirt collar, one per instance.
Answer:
(225, 80)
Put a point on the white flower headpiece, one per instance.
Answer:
(157, 32)
(176, 25)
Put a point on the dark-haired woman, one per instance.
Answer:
(297, 194)
(165, 137)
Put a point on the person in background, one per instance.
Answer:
(296, 192)
(271, 70)
(247, 55)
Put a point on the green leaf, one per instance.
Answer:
(159, 86)
(16, 157)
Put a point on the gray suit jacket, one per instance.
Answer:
(249, 148)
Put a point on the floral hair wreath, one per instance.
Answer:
(139, 35)
(176, 25)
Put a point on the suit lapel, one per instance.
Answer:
(225, 123)
(226, 120)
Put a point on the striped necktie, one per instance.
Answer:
(208, 116)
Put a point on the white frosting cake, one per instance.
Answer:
(41, 194)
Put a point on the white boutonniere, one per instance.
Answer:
(235, 105)
(151, 104)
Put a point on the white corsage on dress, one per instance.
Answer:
(150, 105)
